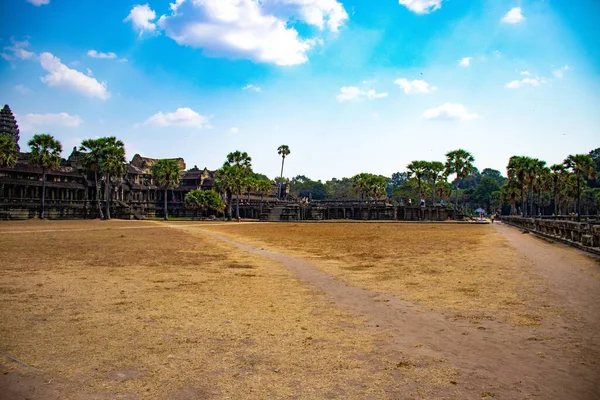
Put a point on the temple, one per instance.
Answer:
(71, 193)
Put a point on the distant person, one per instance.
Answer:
(492, 217)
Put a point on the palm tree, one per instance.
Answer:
(264, 188)
(583, 166)
(93, 154)
(112, 165)
(459, 162)
(9, 155)
(534, 172)
(224, 178)
(251, 184)
(237, 168)
(517, 170)
(418, 170)
(435, 172)
(511, 193)
(166, 173)
(283, 151)
(45, 153)
(556, 171)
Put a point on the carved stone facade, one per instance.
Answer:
(8, 125)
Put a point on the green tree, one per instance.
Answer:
(517, 168)
(535, 170)
(283, 151)
(583, 166)
(418, 170)
(556, 172)
(263, 187)
(511, 192)
(204, 200)
(435, 172)
(232, 176)
(9, 155)
(166, 174)
(45, 153)
(482, 195)
(112, 165)
(459, 162)
(92, 157)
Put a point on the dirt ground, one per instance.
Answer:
(97, 310)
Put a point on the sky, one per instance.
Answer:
(349, 85)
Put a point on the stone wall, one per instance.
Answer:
(583, 235)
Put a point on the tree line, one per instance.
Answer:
(530, 188)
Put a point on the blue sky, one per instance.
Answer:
(351, 86)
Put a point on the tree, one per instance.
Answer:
(517, 169)
(264, 187)
(112, 165)
(283, 151)
(369, 185)
(459, 162)
(494, 174)
(250, 185)
(231, 177)
(166, 173)
(435, 172)
(9, 154)
(482, 195)
(556, 172)
(418, 170)
(511, 193)
(45, 153)
(535, 169)
(583, 166)
(92, 157)
(204, 200)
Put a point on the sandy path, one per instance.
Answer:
(493, 357)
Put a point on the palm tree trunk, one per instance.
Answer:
(531, 202)
(165, 205)
(523, 202)
(456, 199)
(43, 192)
(433, 194)
(229, 205)
(554, 200)
(100, 214)
(281, 178)
(237, 205)
(578, 199)
(107, 195)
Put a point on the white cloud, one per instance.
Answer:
(32, 122)
(421, 6)
(414, 87)
(526, 73)
(316, 12)
(22, 89)
(17, 50)
(250, 29)
(64, 77)
(559, 73)
(38, 2)
(348, 93)
(513, 16)
(536, 81)
(96, 54)
(371, 94)
(252, 88)
(90, 73)
(140, 16)
(234, 130)
(182, 117)
(465, 62)
(122, 60)
(449, 112)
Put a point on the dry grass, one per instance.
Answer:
(469, 270)
(156, 312)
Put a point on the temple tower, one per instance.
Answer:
(8, 125)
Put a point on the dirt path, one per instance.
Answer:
(550, 361)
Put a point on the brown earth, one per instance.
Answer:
(443, 311)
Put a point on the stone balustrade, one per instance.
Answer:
(584, 235)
